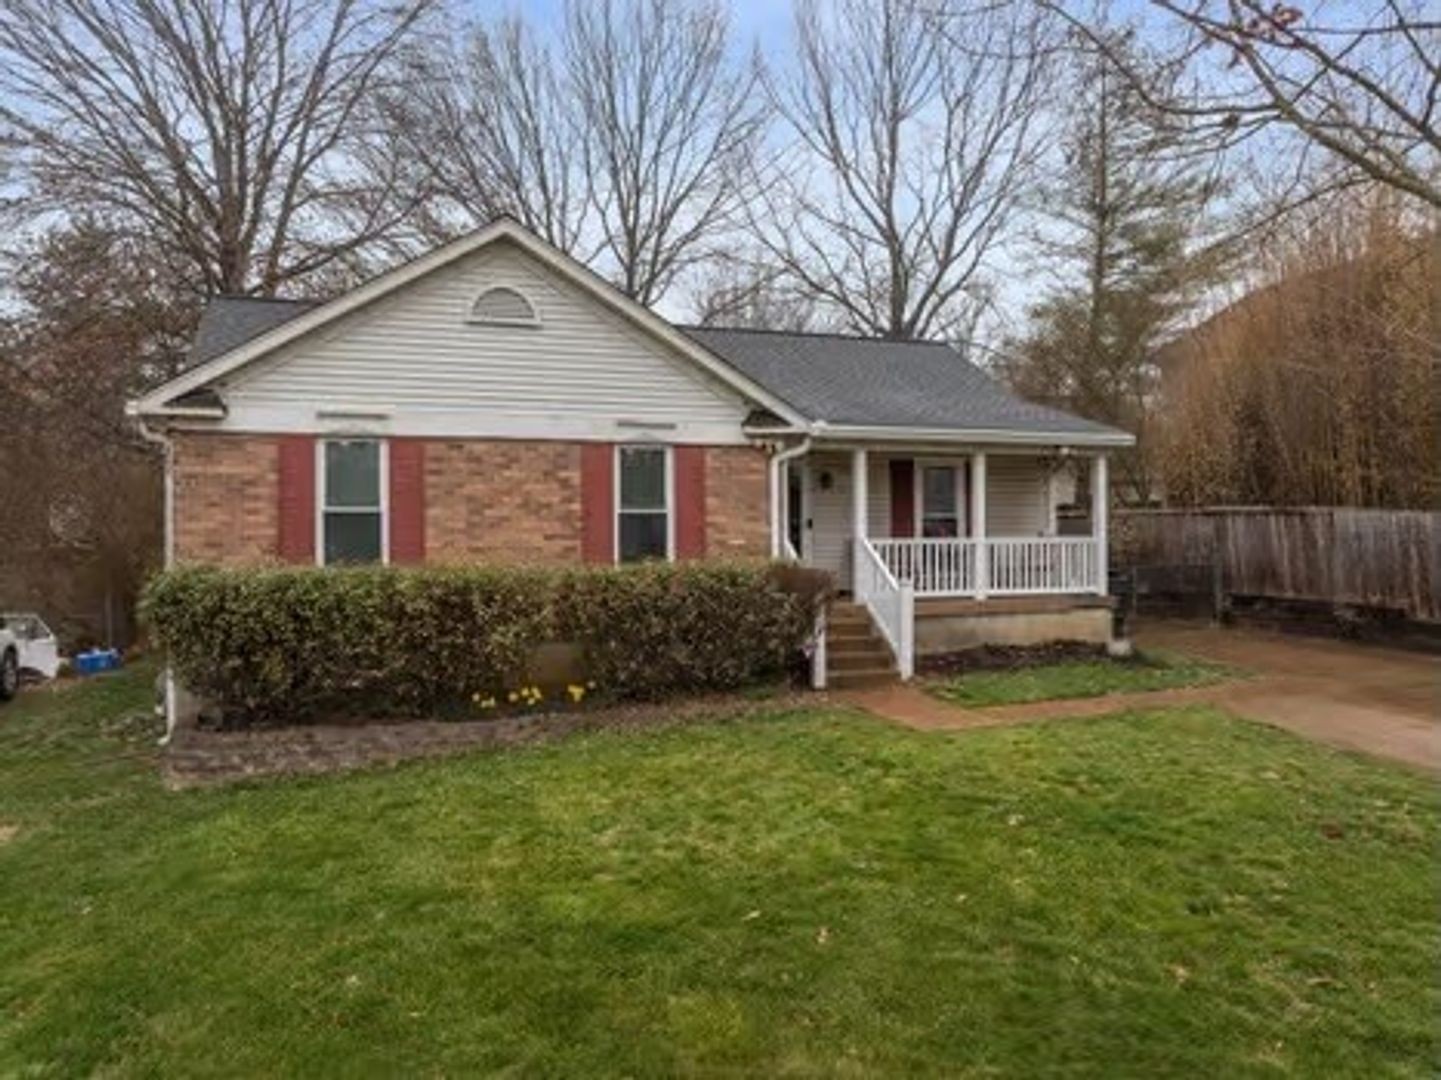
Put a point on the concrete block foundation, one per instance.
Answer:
(945, 626)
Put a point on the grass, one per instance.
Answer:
(810, 893)
(1080, 679)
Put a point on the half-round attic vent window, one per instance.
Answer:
(504, 306)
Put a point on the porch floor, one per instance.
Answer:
(1051, 604)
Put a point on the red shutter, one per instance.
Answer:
(689, 465)
(903, 497)
(297, 498)
(407, 500)
(597, 502)
(966, 494)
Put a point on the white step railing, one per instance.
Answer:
(890, 602)
(1013, 566)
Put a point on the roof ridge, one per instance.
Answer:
(872, 338)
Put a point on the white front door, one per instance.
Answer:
(829, 493)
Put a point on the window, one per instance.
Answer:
(504, 306)
(643, 503)
(352, 518)
(940, 502)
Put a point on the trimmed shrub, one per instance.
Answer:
(657, 629)
(269, 644)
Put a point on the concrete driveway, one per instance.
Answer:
(1381, 701)
(1385, 702)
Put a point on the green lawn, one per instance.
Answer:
(1079, 679)
(812, 893)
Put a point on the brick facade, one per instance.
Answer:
(736, 499)
(499, 501)
(226, 497)
(502, 501)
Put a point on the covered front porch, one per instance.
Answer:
(903, 528)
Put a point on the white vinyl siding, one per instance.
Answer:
(419, 353)
(1018, 496)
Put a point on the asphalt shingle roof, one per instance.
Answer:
(228, 321)
(876, 382)
(871, 382)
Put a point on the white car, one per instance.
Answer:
(26, 646)
(9, 663)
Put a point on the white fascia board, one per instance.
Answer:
(971, 436)
(154, 403)
(458, 424)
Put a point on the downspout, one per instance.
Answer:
(778, 525)
(167, 448)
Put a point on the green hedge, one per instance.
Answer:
(295, 643)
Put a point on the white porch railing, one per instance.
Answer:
(1013, 566)
(890, 602)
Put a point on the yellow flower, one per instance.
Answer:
(475, 696)
(576, 692)
(512, 696)
(488, 703)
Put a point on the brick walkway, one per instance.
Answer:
(1358, 697)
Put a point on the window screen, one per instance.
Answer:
(352, 512)
(940, 516)
(644, 507)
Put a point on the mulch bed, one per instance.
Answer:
(197, 757)
(1008, 657)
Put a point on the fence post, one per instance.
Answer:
(1218, 592)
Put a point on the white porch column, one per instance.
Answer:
(1100, 519)
(978, 524)
(859, 466)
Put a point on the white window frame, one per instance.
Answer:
(321, 494)
(669, 486)
(481, 320)
(918, 493)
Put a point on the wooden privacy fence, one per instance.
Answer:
(1371, 558)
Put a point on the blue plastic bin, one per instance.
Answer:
(96, 661)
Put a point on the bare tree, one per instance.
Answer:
(915, 129)
(216, 128)
(670, 126)
(744, 291)
(1322, 385)
(486, 126)
(1360, 82)
(627, 145)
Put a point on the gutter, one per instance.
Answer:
(159, 438)
(778, 530)
(993, 436)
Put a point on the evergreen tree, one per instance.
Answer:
(1122, 231)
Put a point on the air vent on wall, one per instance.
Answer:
(504, 306)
